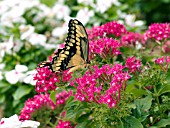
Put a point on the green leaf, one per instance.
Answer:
(2, 98)
(131, 122)
(144, 104)
(3, 84)
(84, 124)
(139, 92)
(142, 107)
(53, 96)
(163, 123)
(164, 89)
(21, 91)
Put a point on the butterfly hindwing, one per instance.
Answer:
(75, 52)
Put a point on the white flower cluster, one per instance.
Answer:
(13, 122)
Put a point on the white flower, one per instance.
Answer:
(6, 46)
(103, 5)
(84, 15)
(30, 123)
(16, 75)
(130, 20)
(26, 31)
(1, 77)
(60, 31)
(29, 77)
(61, 11)
(14, 14)
(13, 122)
(35, 39)
(86, 2)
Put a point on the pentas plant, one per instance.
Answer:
(105, 47)
(101, 85)
(37, 106)
(133, 64)
(64, 124)
(109, 29)
(132, 39)
(164, 62)
(46, 80)
(158, 32)
(113, 90)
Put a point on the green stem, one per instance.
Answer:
(157, 99)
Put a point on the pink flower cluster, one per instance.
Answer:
(166, 47)
(133, 64)
(101, 85)
(131, 38)
(38, 101)
(46, 80)
(158, 31)
(105, 47)
(64, 124)
(163, 60)
(111, 29)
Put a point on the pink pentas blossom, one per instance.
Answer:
(114, 28)
(166, 47)
(46, 80)
(158, 31)
(101, 85)
(64, 124)
(109, 29)
(132, 38)
(42, 100)
(105, 47)
(133, 64)
(163, 60)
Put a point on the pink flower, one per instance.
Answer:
(133, 64)
(64, 124)
(131, 39)
(42, 100)
(158, 31)
(46, 80)
(109, 29)
(101, 85)
(166, 47)
(105, 47)
(164, 62)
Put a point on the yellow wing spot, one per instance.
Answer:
(63, 55)
(66, 52)
(78, 43)
(67, 47)
(72, 28)
(78, 47)
(70, 44)
(77, 39)
(58, 64)
(72, 36)
(75, 21)
(73, 41)
(57, 68)
(61, 58)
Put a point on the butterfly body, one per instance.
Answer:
(75, 53)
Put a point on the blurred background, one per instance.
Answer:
(30, 31)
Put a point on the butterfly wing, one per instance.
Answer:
(75, 52)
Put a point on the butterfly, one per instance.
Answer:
(75, 53)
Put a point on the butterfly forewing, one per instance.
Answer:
(75, 52)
